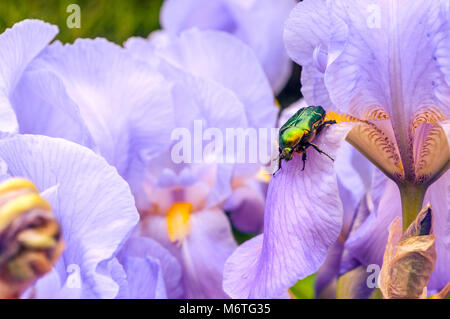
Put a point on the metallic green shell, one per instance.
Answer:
(306, 120)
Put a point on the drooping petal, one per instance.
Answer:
(93, 205)
(202, 253)
(303, 218)
(19, 46)
(116, 96)
(257, 23)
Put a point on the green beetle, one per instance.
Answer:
(297, 134)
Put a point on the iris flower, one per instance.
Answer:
(124, 104)
(257, 23)
(217, 80)
(385, 68)
(92, 203)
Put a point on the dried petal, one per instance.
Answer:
(409, 259)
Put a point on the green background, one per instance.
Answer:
(115, 20)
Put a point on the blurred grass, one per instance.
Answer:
(304, 289)
(115, 20)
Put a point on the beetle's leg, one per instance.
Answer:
(328, 123)
(279, 160)
(320, 151)
(304, 159)
(325, 124)
(279, 166)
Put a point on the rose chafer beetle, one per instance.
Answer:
(298, 133)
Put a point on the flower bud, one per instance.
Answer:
(409, 259)
(30, 237)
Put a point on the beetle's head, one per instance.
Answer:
(287, 153)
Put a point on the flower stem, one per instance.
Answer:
(412, 199)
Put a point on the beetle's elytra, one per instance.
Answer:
(298, 133)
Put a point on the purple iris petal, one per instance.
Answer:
(43, 107)
(358, 41)
(202, 253)
(93, 205)
(439, 195)
(246, 205)
(115, 96)
(368, 242)
(416, 44)
(151, 271)
(257, 23)
(212, 55)
(216, 79)
(306, 35)
(303, 218)
(19, 46)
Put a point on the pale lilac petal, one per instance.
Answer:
(306, 36)
(177, 15)
(202, 253)
(257, 23)
(367, 244)
(200, 104)
(163, 267)
(145, 280)
(328, 272)
(43, 107)
(265, 17)
(138, 278)
(354, 173)
(246, 207)
(361, 214)
(438, 195)
(116, 96)
(339, 260)
(224, 59)
(93, 205)
(19, 46)
(385, 56)
(297, 235)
